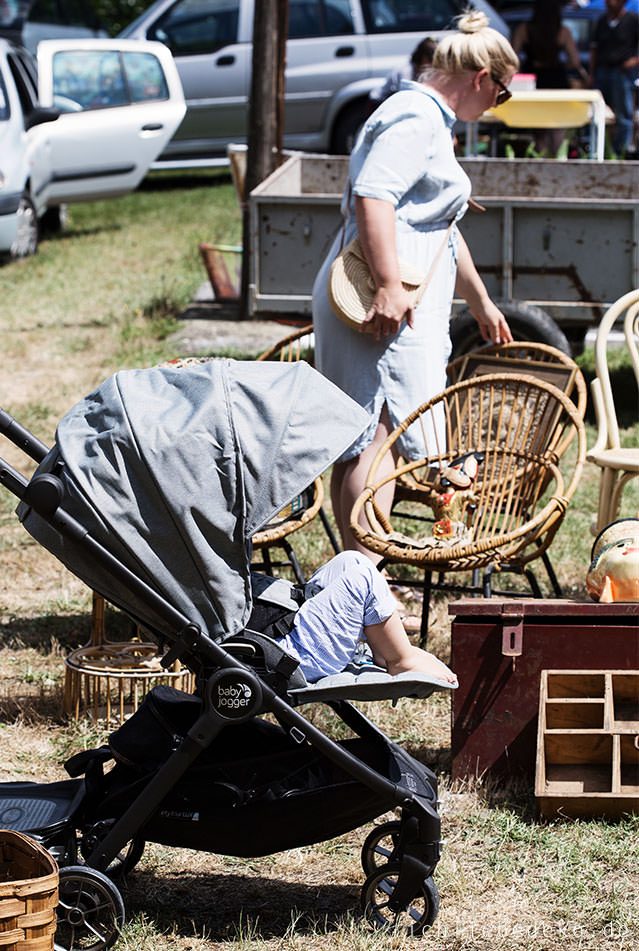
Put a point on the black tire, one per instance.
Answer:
(526, 322)
(90, 910)
(379, 846)
(414, 919)
(26, 240)
(348, 123)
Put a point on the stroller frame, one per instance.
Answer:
(231, 693)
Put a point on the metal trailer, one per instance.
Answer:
(557, 243)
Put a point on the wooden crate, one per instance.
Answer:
(588, 743)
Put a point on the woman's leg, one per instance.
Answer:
(349, 479)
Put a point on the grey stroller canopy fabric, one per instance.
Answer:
(176, 469)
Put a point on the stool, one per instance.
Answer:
(109, 679)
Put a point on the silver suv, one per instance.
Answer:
(336, 53)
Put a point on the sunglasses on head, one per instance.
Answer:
(504, 93)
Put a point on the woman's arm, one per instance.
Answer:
(376, 227)
(572, 53)
(492, 323)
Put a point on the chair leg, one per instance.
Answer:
(295, 565)
(487, 581)
(534, 584)
(329, 531)
(552, 577)
(423, 628)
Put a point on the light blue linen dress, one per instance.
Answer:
(404, 154)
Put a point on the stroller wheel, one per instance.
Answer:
(379, 846)
(90, 910)
(414, 919)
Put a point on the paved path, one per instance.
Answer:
(208, 326)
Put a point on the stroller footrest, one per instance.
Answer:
(371, 684)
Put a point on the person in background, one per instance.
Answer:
(421, 58)
(549, 52)
(548, 47)
(405, 190)
(614, 65)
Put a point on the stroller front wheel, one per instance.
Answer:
(379, 846)
(90, 910)
(414, 919)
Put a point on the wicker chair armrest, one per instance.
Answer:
(270, 535)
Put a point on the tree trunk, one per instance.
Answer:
(266, 111)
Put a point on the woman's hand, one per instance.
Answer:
(390, 307)
(493, 326)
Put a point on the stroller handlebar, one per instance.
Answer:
(21, 437)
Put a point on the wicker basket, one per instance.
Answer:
(28, 894)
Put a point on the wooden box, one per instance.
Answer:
(588, 743)
(499, 649)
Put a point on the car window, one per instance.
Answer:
(319, 18)
(24, 84)
(398, 16)
(191, 27)
(99, 79)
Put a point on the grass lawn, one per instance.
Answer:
(104, 296)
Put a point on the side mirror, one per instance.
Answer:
(41, 114)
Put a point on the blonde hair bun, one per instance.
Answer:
(472, 21)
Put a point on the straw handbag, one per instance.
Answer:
(351, 289)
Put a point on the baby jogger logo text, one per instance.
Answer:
(235, 697)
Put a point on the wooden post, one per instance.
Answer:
(266, 111)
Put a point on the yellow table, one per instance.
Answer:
(550, 109)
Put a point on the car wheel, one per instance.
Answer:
(347, 125)
(26, 240)
(526, 322)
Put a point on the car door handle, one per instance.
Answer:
(227, 60)
(152, 127)
(342, 51)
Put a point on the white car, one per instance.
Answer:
(86, 123)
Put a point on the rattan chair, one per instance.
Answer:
(299, 345)
(539, 360)
(618, 465)
(521, 427)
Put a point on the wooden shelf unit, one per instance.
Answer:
(588, 743)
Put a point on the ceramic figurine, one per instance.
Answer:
(614, 568)
(453, 494)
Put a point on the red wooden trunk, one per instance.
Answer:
(500, 647)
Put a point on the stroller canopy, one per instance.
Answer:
(176, 468)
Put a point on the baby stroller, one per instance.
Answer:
(151, 494)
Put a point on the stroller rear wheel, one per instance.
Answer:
(379, 846)
(414, 919)
(90, 910)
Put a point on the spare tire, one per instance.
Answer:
(526, 322)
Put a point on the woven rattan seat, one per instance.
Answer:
(618, 464)
(522, 428)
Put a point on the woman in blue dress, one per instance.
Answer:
(405, 187)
